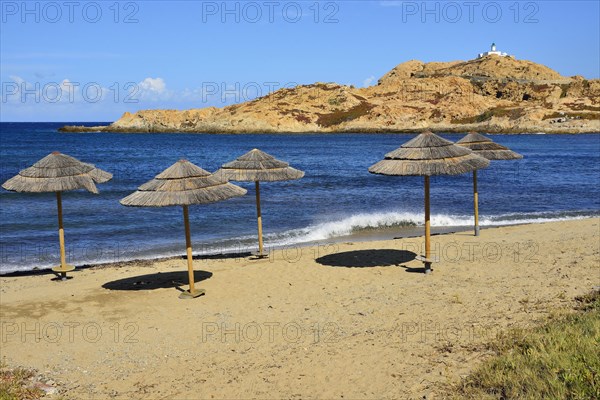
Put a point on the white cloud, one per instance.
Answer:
(368, 81)
(154, 85)
(17, 79)
(65, 99)
(66, 84)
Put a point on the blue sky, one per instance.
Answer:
(92, 61)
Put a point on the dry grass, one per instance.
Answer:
(15, 384)
(559, 360)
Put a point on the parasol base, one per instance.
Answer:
(259, 256)
(196, 293)
(62, 270)
(426, 260)
(476, 231)
(427, 263)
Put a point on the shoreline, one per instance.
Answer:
(367, 236)
(437, 130)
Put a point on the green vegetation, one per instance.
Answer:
(437, 114)
(323, 86)
(582, 107)
(559, 360)
(555, 114)
(336, 101)
(338, 117)
(510, 113)
(299, 115)
(571, 115)
(541, 88)
(14, 384)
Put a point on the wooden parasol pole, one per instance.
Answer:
(188, 248)
(427, 229)
(63, 268)
(476, 202)
(188, 245)
(259, 217)
(61, 231)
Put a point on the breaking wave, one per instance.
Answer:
(326, 230)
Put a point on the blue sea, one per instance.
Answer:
(558, 179)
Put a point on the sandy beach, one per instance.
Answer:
(349, 320)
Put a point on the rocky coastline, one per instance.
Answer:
(491, 94)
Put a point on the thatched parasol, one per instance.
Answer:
(183, 184)
(427, 155)
(487, 148)
(256, 165)
(58, 173)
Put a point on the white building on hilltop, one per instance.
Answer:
(493, 51)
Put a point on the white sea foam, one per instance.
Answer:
(362, 222)
(332, 229)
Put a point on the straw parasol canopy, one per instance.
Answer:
(58, 173)
(426, 155)
(183, 184)
(487, 148)
(257, 166)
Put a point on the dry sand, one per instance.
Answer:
(358, 322)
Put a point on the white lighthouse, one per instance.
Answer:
(493, 51)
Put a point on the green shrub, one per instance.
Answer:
(338, 117)
(559, 360)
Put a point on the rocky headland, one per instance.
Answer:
(491, 94)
